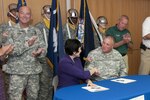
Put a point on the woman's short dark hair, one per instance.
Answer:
(72, 45)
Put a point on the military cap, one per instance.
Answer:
(46, 9)
(12, 6)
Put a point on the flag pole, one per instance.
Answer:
(68, 3)
(96, 27)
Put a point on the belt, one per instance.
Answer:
(142, 46)
(147, 48)
(123, 54)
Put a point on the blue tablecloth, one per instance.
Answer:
(117, 91)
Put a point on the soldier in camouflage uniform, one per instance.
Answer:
(23, 64)
(102, 23)
(2, 93)
(70, 28)
(12, 16)
(74, 26)
(46, 88)
(107, 60)
(4, 51)
(12, 19)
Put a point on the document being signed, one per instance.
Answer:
(96, 88)
(123, 80)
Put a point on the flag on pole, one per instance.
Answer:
(80, 32)
(55, 39)
(82, 9)
(21, 3)
(85, 27)
(88, 28)
(61, 51)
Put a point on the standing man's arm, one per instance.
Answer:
(146, 37)
(41, 49)
(146, 29)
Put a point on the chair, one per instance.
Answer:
(55, 82)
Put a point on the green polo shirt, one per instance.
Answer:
(118, 36)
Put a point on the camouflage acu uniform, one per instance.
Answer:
(3, 27)
(73, 32)
(22, 67)
(96, 37)
(0, 37)
(73, 35)
(2, 90)
(96, 40)
(110, 65)
(2, 93)
(46, 88)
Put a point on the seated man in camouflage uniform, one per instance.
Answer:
(46, 88)
(108, 61)
(23, 64)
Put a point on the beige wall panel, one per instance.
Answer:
(4, 11)
(36, 6)
(134, 61)
(63, 10)
(1, 12)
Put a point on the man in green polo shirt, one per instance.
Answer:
(121, 36)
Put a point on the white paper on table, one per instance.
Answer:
(141, 97)
(123, 80)
(95, 89)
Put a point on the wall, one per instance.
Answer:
(137, 10)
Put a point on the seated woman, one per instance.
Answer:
(70, 69)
